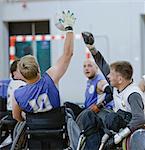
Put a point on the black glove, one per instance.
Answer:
(88, 38)
(89, 41)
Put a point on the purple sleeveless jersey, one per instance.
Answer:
(91, 95)
(38, 97)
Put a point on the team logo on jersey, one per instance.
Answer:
(91, 89)
(123, 103)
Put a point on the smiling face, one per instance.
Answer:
(90, 68)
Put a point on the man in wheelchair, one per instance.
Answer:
(129, 111)
(7, 122)
(39, 99)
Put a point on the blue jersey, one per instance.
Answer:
(38, 97)
(91, 95)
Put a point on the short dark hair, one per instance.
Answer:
(124, 68)
(13, 67)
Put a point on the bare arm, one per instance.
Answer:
(106, 88)
(101, 85)
(16, 111)
(58, 70)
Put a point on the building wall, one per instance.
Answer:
(115, 24)
(3, 46)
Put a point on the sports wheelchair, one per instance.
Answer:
(135, 141)
(41, 131)
(7, 123)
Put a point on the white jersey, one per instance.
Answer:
(121, 98)
(13, 85)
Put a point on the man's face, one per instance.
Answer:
(115, 78)
(90, 69)
(18, 75)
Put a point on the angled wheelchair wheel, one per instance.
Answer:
(19, 137)
(137, 140)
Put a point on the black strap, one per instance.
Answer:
(68, 28)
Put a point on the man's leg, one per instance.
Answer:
(92, 126)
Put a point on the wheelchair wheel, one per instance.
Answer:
(20, 137)
(137, 140)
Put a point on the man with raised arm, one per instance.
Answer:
(128, 98)
(41, 93)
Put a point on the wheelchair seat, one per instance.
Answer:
(46, 130)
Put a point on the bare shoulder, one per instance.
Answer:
(101, 84)
(52, 72)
